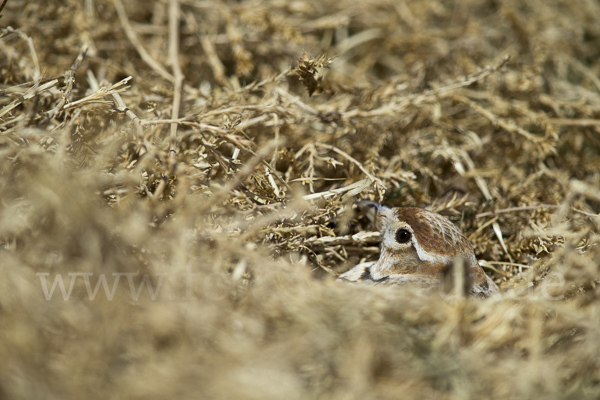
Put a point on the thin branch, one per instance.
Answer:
(528, 208)
(23, 87)
(135, 41)
(215, 62)
(350, 190)
(2, 7)
(137, 44)
(514, 209)
(100, 94)
(177, 74)
(121, 106)
(505, 124)
(239, 177)
(353, 160)
(37, 74)
(574, 122)
(8, 31)
(31, 92)
(296, 101)
(474, 78)
(69, 81)
(398, 104)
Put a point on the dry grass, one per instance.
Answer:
(213, 160)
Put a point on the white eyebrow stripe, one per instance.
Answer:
(427, 256)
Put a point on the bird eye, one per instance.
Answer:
(403, 236)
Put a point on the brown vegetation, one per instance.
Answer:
(229, 140)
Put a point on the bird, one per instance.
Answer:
(420, 248)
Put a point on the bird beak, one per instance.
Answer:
(377, 206)
(372, 210)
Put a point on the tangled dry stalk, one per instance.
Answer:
(201, 159)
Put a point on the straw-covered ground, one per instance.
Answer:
(177, 187)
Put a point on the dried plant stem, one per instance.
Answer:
(402, 102)
(214, 61)
(194, 117)
(99, 94)
(37, 75)
(349, 191)
(70, 74)
(69, 81)
(487, 71)
(177, 74)
(361, 237)
(528, 208)
(514, 209)
(574, 122)
(22, 87)
(507, 125)
(177, 84)
(407, 15)
(354, 161)
(135, 41)
(2, 7)
(121, 106)
(584, 70)
(296, 101)
(488, 265)
(31, 92)
(227, 134)
(239, 177)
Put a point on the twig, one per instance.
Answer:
(94, 85)
(100, 93)
(135, 41)
(353, 160)
(243, 173)
(509, 263)
(70, 74)
(352, 190)
(507, 125)
(2, 7)
(251, 122)
(488, 70)
(584, 70)
(22, 87)
(481, 184)
(296, 101)
(361, 237)
(394, 106)
(177, 83)
(122, 107)
(31, 92)
(69, 80)
(484, 190)
(528, 208)
(514, 209)
(262, 83)
(37, 75)
(195, 117)
(214, 61)
(407, 15)
(574, 122)
(488, 265)
(227, 134)
(177, 74)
